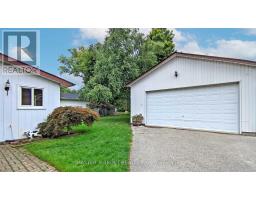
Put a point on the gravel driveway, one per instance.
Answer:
(165, 149)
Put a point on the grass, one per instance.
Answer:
(104, 147)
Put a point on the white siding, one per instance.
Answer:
(72, 103)
(192, 72)
(212, 108)
(14, 121)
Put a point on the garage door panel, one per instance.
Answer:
(195, 124)
(184, 102)
(209, 108)
(229, 110)
(194, 119)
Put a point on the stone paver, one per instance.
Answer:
(165, 149)
(19, 160)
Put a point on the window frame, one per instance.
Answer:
(32, 106)
(33, 96)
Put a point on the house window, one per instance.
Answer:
(26, 94)
(31, 97)
(38, 97)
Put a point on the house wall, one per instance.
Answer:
(194, 72)
(14, 121)
(73, 103)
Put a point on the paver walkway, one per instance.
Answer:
(19, 160)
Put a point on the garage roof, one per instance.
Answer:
(44, 74)
(195, 56)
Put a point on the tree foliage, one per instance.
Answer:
(106, 68)
(161, 42)
(98, 94)
(117, 61)
(81, 62)
(68, 90)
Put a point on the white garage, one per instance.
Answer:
(212, 108)
(201, 92)
(70, 99)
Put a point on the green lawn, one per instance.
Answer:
(103, 147)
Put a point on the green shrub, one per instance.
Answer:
(63, 118)
(103, 109)
(122, 105)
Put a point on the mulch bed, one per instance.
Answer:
(21, 142)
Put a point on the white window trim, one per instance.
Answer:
(30, 107)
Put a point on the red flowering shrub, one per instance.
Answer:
(63, 118)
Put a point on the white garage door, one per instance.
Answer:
(213, 108)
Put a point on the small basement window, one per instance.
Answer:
(31, 97)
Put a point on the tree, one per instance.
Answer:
(68, 90)
(117, 63)
(99, 94)
(147, 58)
(99, 98)
(107, 68)
(160, 41)
(81, 62)
(157, 46)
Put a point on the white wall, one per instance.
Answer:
(194, 72)
(72, 103)
(14, 121)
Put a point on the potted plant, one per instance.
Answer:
(137, 120)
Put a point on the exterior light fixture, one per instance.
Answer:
(7, 86)
(176, 74)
